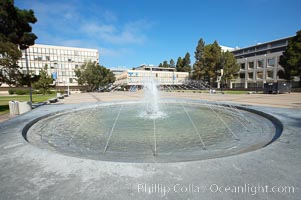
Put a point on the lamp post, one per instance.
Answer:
(68, 88)
(57, 75)
(68, 85)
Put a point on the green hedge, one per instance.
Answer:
(26, 92)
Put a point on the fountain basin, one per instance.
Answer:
(189, 130)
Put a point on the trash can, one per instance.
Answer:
(13, 108)
(24, 107)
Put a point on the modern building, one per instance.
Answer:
(61, 61)
(164, 76)
(226, 48)
(118, 70)
(259, 64)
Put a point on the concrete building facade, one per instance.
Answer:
(61, 61)
(259, 64)
(164, 76)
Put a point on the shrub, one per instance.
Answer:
(11, 91)
(61, 91)
(22, 92)
(51, 92)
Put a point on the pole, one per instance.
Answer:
(173, 77)
(68, 87)
(28, 78)
(57, 75)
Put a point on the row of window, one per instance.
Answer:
(166, 75)
(64, 80)
(160, 80)
(61, 51)
(60, 73)
(257, 75)
(41, 65)
(271, 62)
(58, 58)
(262, 47)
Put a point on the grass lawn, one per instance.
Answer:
(35, 98)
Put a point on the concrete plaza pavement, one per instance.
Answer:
(273, 172)
(292, 100)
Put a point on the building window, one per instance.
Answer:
(242, 66)
(271, 62)
(250, 75)
(251, 65)
(48, 58)
(69, 60)
(270, 74)
(242, 76)
(259, 75)
(260, 63)
(70, 80)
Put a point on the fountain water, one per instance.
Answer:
(151, 100)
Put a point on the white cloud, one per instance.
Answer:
(129, 33)
(108, 52)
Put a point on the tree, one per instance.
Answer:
(15, 24)
(15, 33)
(230, 67)
(291, 58)
(92, 76)
(165, 64)
(172, 63)
(212, 53)
(9, 56)
(44, 82)
(199, 56)
(179, 65)
(186, 63)
(108, 76)
(160, 65)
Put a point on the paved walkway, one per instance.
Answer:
(5, 117)
(292, 100)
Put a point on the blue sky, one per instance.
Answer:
(133, 32)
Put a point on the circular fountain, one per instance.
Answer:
(153, 130)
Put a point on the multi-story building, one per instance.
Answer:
(61, 61)
(164, 76)
(118, 70)
(259, 64)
